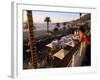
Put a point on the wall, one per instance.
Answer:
(5, 38)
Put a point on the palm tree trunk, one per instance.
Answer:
(47, 27)
(32, 39)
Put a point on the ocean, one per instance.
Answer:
(43, 26)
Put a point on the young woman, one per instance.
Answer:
(85, 46)
(83, 37)
(85, 41)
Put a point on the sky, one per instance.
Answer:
(39, 16)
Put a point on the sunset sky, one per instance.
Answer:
(39, 16)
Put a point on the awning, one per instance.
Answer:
(49, 45)
(60, 54)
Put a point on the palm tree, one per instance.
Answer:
(56, 29)
(80, 18)
(58, 25)
(80, 15)
(64, 29)
(47, 19)
(64, 25)
(68, 26)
